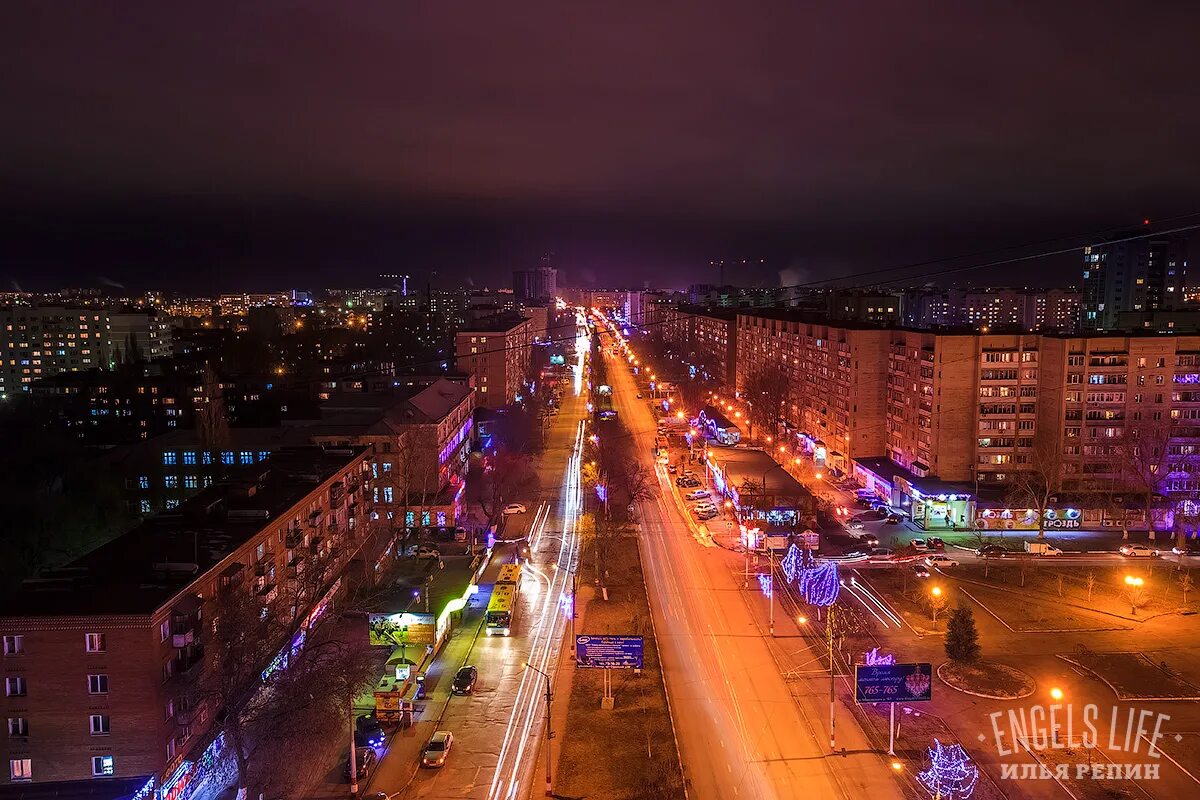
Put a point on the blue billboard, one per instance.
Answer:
(893, 683)
(609, 652)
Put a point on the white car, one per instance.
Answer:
(1138, 551)
(940, 562)
(698, 494)
(514, 508)
(425, 551)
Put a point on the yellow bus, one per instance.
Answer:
(502, 608)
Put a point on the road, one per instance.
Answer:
(741, 733)
(499, 728)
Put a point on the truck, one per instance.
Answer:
(1042, 549)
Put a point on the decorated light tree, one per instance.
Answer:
(819, 583)
(951, 775)
(873, 658)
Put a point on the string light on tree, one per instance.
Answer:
(951, 775)
(764, 583)
(792, 563)
(819, 583)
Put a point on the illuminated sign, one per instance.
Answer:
(402, 628)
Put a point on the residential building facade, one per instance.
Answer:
(498, 353)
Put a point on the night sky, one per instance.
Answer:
(267, 144)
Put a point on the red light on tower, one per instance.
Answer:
(1146, 221)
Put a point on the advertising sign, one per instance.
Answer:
(893, 683)
(609, 652)
(402, 628)
(810, 540)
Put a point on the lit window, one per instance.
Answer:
(144, 506)
(171, 481)
(190, 482)
(102, 765)
(20, 769)
(246, 457)
(169, 458)
(227, 457)
(143, 481)
(189, 457)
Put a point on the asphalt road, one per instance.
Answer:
(741, 733)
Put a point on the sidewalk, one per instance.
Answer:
(398, 763)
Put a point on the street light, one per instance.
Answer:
(1134, 591)
(549, 733)
(1056, 694)
(936, 591)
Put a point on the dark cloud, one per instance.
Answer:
(315, 141)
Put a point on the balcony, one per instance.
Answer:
(182, 640)
(186, 663)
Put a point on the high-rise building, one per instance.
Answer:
(139, 336)
(538, 284)
(38, 342)
(499, 354)
(1143, 275)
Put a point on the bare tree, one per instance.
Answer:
(1186, 584)
(212, 422)
(1035, 485)
(1146, 460)
(767, 392)
(1090, 581)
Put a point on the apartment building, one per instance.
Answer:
(831, 377)
(943, 423)
(136, 336)
(102, 658)
(704, 339)
(38, 342)
(1133, 275)
(498, 353)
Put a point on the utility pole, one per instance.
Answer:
(549, 732)
(353, 757)
(829, 637)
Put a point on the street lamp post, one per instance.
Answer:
(937, 594)
(549, 732)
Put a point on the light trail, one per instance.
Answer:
(513, 770)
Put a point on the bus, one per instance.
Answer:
(717, 427)
(661, 453)
(502, 608)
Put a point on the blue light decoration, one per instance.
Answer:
(602, 492)
(819, 583)
(565, 604)
(873, 658)
(951, 775)
(764, 583)
(792, 563)
(146, 791)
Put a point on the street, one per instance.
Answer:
(741, 733)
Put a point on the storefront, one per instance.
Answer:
(932, 504)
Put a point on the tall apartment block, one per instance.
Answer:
(38, 342)
(1143, 275)
(499, 354)
(104, 659)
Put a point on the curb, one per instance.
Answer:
(1117, 693)
(980, 694)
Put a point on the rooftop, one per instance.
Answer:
(140, 570)
(497, 324)
(741, 464)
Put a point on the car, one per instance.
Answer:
(514, 508)
(464, 680)
(364, 762)
(707, 515)
(688, 483)
(941, 562)
(639, 395)
(990, 551)
(368, 732)
(920, 570)
(1138, 551)
(935, 543)
(671, 468)
(425, 551)
(437, 748)
(864, 494)
(855, 524)
(865, 502)
(893, 519)
(880, 553)
(697, 494)
(1189, 549)
(704, 508)
(868, 539)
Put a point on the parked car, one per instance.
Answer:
(425, 551)
(697, 494)
(368, 732)
(464, 680)
(940, 562)
(707, 514)
(514, 508)
(1042, 549)
(919, 544)
(1138, 551)
(364, 761)
(855, 524)
(437, 748)
(671, 468)
(880, 553)
(935, 543)
(920, 570)
(1189, 549)
(701, 508)
(990, 550)
(893, 519)
(868, 539)
(639, 395)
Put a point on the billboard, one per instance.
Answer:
(893, 683)
(402, 628)
(609, 652)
